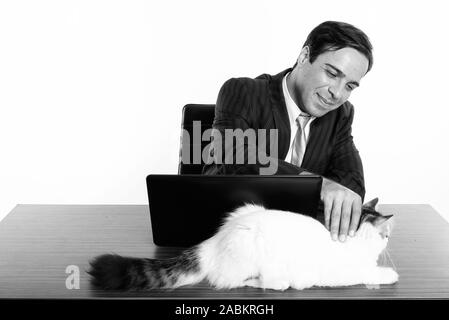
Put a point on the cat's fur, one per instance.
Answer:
(261, 248)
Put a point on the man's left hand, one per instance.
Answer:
(342, 209)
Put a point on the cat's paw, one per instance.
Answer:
(297, 286)
(276, 285)
(381, 275)
(253, 282)
(267, 284)
(387, 276)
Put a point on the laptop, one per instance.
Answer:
(187, 209)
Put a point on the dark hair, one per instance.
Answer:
(334, 35)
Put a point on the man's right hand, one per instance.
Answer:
(342, 209)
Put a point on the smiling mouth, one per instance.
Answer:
(324, 101)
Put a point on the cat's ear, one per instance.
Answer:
(378, 220)
(371, 204)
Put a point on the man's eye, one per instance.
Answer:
(350, 88)
(330, 74)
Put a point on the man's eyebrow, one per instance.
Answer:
(340, 73)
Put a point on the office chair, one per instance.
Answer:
(190, 113)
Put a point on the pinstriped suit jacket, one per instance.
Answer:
(259, 104)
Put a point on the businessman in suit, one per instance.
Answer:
(308, 107)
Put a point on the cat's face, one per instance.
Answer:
(371, 217)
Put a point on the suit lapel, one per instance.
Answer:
(280, 114)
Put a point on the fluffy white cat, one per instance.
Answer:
(262, 248)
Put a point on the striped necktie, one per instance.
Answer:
(299, 144)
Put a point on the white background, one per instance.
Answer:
(91, 91)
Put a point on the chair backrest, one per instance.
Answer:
(190, 113)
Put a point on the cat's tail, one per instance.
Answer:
(115, 272)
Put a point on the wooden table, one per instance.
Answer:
(38, 242)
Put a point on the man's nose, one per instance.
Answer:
(336, 91)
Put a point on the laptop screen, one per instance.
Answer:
(187, 209)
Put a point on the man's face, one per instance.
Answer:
(327, 83)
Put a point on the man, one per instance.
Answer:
(308, 107)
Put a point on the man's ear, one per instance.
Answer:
(304, 56)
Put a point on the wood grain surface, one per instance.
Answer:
(38, 242)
